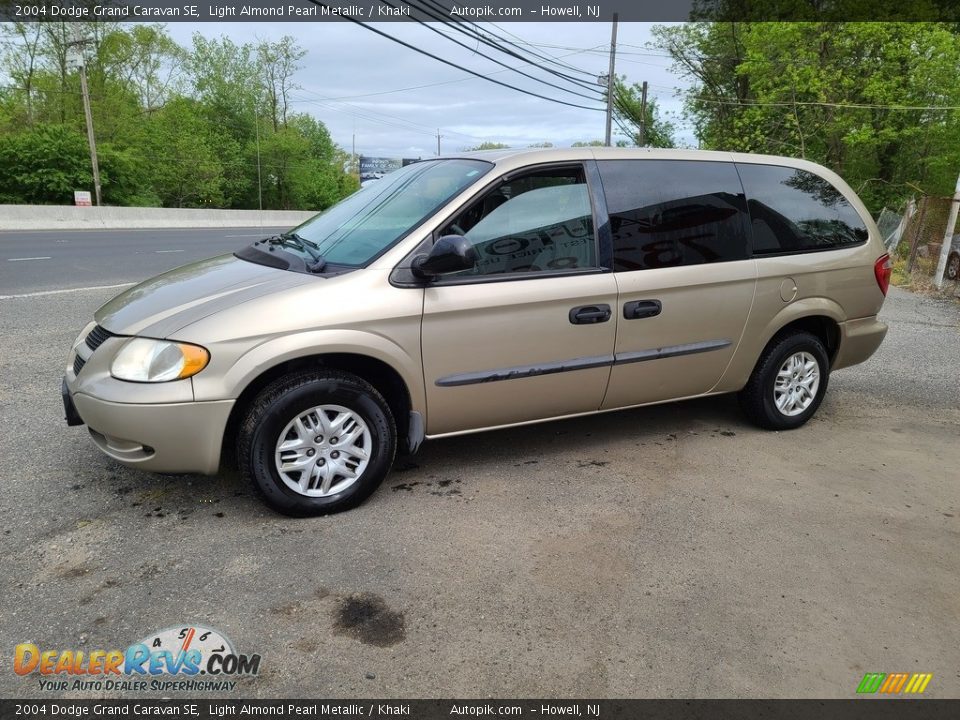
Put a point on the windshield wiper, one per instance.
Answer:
(317, 264)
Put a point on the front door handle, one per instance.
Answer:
(590, 314)
(639, 309)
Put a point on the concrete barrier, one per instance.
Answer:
(69, 217)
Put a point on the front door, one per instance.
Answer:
(529, 332)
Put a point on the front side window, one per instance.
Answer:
(667, 213)
(537, 222)
(796, 211)
(356, 230)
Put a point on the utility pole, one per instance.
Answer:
(643, 115)
(611, 80)
(948, 236)
(256, 125)
(438, 142)
(75, 48)
(353, 156)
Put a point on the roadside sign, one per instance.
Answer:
(82, 197)
(374, 168)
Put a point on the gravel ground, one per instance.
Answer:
(671, 551)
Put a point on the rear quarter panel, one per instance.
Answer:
(838, 284)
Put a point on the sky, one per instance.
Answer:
(391, 100)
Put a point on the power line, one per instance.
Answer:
(359, 111)
(420, 87)
(498, 62)
(853, 106)
(521, 41)
(473, 30)
(372, 29)
(394, 124)
(476, 33)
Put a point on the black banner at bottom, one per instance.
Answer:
(854, 709)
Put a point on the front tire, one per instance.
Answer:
(788, 383)
(317, 442)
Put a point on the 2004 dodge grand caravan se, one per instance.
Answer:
(483, 291)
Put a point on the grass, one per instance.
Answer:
(920, 280)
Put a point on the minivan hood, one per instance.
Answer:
(162, 305)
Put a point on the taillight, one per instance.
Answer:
(882, 269)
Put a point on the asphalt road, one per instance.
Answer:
(670, 551)
(41, 260)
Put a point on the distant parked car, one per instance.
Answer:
(953, 261)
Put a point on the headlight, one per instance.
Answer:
(145, 360)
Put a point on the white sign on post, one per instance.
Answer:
(82, 198)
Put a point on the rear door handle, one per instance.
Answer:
(639, 309)
(590, 314)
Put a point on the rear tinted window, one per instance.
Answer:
(665, 213)
(796, 211)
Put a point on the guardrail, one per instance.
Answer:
(69, 217)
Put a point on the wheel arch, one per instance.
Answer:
(381, 374)
(823, 327)
(819, 316)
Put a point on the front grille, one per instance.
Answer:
(97, 337)
(78, 363)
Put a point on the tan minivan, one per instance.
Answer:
(485, 291)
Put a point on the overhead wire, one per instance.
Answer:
(420, 87)
(494, 60)
(473, 31)
(405, 44)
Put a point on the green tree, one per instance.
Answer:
(835, 93)
(183, 163)
(175, 127)
(631, 114)
(487, 145)
(46, 163)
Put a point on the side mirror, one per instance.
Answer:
(451, 253)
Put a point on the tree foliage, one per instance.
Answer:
(488, 146)
(861, 98)
(631, 115)
(206, 126)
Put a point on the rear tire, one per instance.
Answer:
(317, 442)
(788, 383)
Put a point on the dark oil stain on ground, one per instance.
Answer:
(367, 618)
(404, 486)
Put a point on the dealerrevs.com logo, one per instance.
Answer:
(186, 658)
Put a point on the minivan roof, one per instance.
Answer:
(521, 156)
(510, 159)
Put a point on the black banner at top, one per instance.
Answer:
(477, 10)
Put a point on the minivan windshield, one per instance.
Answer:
(357, 229)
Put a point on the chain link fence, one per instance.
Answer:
(914, 237)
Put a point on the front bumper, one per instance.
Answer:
(69, 409)
(166, 438)
(151, 426)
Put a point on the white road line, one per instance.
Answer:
(167, 251)
(15, 231)
(67, 290)
(44, 257)
(247, 235)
